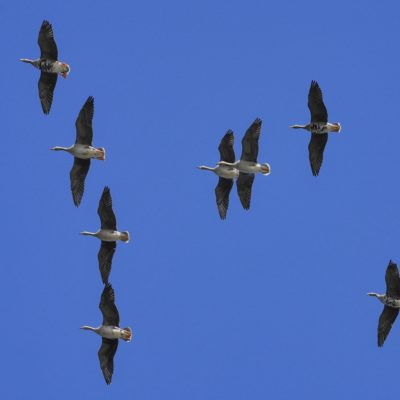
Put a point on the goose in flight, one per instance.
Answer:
(248, 165)
(110, 332)
(226, 173)
(319, 127)
(108, 234)
(391, 301)
(82, 150)
(48, 64)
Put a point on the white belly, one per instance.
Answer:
(109, 236)
(249, 167)
(84, 151)
(57, 67)
(227, 172)
(110, 332)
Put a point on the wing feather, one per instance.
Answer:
(250, 141)
(316, 104)
(77, 176)
(105, 256)
(46, 42)
(244, 185)
(47, 83)
(83, 124)
(222, 192)
(105, 211)
(316, 151)
(106, 355)
(107, 306)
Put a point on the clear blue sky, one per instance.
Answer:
(270, 303)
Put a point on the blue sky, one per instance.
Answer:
(270, 303)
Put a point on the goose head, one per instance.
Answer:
(65, 70)
(265, 169)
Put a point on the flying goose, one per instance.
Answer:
(48, 64)
(108, 234)
(226, 173)
(82, 150)
(248, 165)
(391, 300)
(319, 127)
(109, 331)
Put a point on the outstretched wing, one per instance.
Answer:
(105, 256)
(386, 320)
(244, 185)
(83, 124)
(46, 42)
(392, 279)
(107, 306)
(222, 191)
(316, 151)
(250, 141)
(316, 104)
(226, 148)
(106, 357)
(77, 177)
(47, 83)
(105, 211)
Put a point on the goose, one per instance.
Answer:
(226, 173)
(319, 127)
(108, 234)
(248, 165)
(109, 331)
(48, 65)
(391, 301)
(82, 150)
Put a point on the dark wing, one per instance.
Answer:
(316, 104)
(316, 151)
(46, 42)
(244, 184)
(77, 176)
(250, 141)
(105, 256)
(107, 306)
(222, 191)
(226, 148)
(105, 211)
(386, 320)
(83, 124)
(47, 83)
(106, 357)
(392, 279)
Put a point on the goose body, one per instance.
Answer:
(82, 150)
(109, 331)
(391, 301)
(319, 127)
(223, 171)
(251, 167)
(108, 234)
(49, 66)
(248, 165)
(226, 173)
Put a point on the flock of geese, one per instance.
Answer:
(83, 152)
(228, 169)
